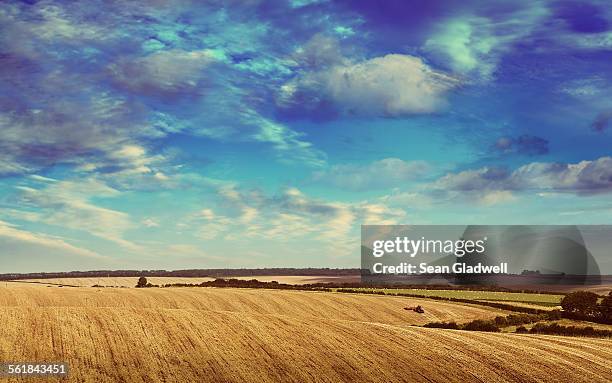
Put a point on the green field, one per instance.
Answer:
(530, 298)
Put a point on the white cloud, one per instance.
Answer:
(228, 118)
(131, 166)
(390, 85)
(467, 44)
(209, 224)
(95, 133)
(288, 143)
(410, 199)
(319, 52)
(56, 24)
(248, 214)
(473, 44)
(164, 72)
(475, 179)
(67, 204)
(150, 222)
(9, 165)
(381, 174)
(40, 178)
(288, 216)
(495, 197)
(584, 177)
(492, 185)
(20, 249)
(126, 159)
(591, 88)
(15, 238)
(591, 41)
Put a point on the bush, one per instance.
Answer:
(449, 325)
(554, 314)
(501, 321)
(142, 282)
(519, 319)
(581, 303)
(555, 329)
(521, 330)
(481, 325)
(605, 308)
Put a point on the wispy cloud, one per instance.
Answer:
(475, 43)
(68, 204)
(21, 249)
(524, 144)
(13, 237)
(287, 216)
(381, 174)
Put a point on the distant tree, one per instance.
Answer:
(481, 325)
(605, 308)
(142, 282)
(530, 272)
(580, 302)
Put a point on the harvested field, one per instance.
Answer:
(491, 296)
(113, 281)
(603, 289)
(526, 305)
(307, 304)
(223, 335)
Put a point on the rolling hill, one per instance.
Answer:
(222, 335)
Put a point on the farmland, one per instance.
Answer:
(209, 334)
(114, 281)
(489, 296)
(388, 310)
(131, 281)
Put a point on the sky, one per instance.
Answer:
(228, 134)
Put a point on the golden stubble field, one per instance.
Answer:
(226, 335)
(131, 281)
(114, 281)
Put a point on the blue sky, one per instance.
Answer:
(264, 133)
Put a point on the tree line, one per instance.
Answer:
(586, 305)
(236, 283)
(312, 271)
